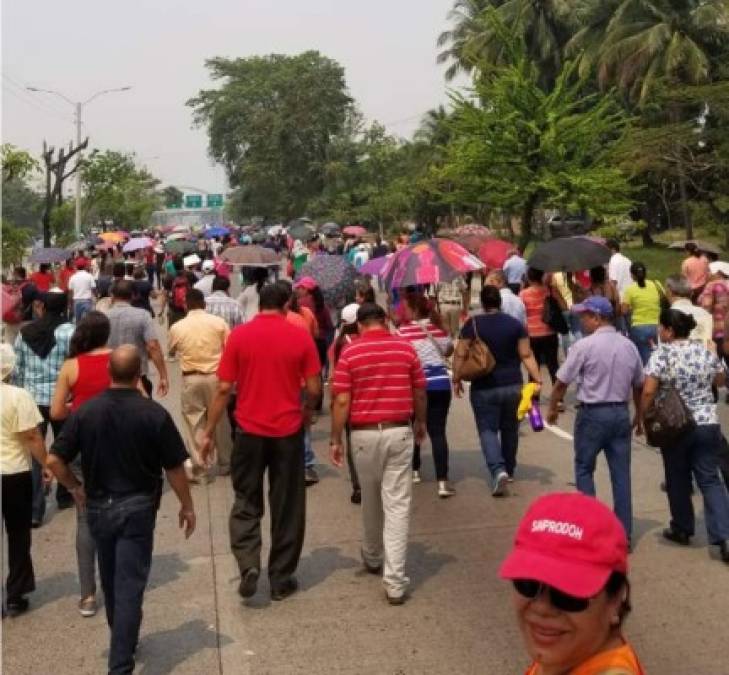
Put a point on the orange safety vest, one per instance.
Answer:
(619, 661)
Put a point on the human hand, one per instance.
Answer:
(187, 521)
(204, 442)
(419, 431)
(458, 388)
(79, 496)
(336, 454)
(638, 425)
(163, 387)
(47, 477)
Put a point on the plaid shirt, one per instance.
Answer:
(38, 376)
(222, 305)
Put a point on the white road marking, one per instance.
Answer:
(559, 432)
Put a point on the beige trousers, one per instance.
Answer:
(384, 465)
(197, 395)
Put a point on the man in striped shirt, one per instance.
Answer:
(221, 304)
(379, 385)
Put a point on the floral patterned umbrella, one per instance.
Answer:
(335, 277)
(427, 262)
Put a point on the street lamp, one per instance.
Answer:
(78, 107)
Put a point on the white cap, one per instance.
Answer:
(719, 267)
(190, 260)
(349, 314)
(208, 266)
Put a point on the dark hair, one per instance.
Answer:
(345, 331)
(534, 275)
(91, 333)
(44, 267)
(370, 312)
(318, 298)
(618, 583)
(20, 272)
(122, 289)
(195, 299)
(679, 322)
(598, 275)
(639, 272)
(272, 296)
(421, 307)
(178, 264)
(613, 245)
(139, 273)
(693, 249)
(490, 298)
(221, 284)
(129, 269)
(367, 292)
(118, 270)
(55, 303)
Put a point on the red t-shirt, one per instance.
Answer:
(380, 371)
(42, 281)
(93, 378)
(268, 358)
(64, 275)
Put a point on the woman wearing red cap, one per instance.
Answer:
(569, 569)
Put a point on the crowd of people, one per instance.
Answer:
(254, 369)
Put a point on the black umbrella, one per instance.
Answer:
(330, 229)
(569, 254)
(301, 231)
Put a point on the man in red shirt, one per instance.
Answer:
(378, 385)
(43, 278)
(67, 271)
(268, 359)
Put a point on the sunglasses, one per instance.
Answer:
(564, 602)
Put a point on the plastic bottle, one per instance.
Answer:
(535, 416)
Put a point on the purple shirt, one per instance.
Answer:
(605, 365)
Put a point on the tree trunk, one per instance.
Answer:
(527, 216)
(675, 115)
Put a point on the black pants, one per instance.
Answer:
(546, 351)
(353, 477)
(439, 402)
(63, 496)
(515, 288)
(284, 459)
(123, 529)
(17, 503)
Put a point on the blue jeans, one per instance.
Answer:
(697, 452)
(309, 456)
(81, 308)
(605, 428)
(644, 337)
(123, 529)
(498, 429)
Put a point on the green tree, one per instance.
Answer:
(116, 190)
(172, 197)
(520, 147)
(21, 205)
(15, 241)
(466, 18)
(16, 163)
(271, 125)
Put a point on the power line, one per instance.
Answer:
(46, 103)
(35, 105)
(21, 95)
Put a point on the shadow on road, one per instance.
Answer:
(319, 564)
(164, 651)
(424, 563)
(166, 568)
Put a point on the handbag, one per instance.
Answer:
(667, 418)
(553, 317)
(472, 359)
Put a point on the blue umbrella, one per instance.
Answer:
(216, 232)
(49, 255)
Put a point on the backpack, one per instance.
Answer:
(180, 286)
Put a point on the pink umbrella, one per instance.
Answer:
(374, 266)
(494, 253)
(355, 230)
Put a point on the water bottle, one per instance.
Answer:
(535, 416)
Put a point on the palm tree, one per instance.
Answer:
(433, 128)
(465, 17)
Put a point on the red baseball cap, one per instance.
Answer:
(569, 541)
(309, 283)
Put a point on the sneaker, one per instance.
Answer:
(510, 479)
(445, 489)
(311, 477)
(395, 599)
(87, 607)
(17, 607)
(499, 487)
(356, 497)
(285, 590)
(416, 477)
(248, 583)
(372, 569)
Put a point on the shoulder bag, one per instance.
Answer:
(552, 315)
(472, 359)
(662, 299)
(668, 417)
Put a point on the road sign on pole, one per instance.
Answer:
(193, 201)
(214, 201)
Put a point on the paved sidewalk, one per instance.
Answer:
(458, 621)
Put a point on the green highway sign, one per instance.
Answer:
(193, 201)
(214, 200)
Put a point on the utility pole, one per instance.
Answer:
(78, 108)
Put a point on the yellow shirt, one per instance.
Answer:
(199, 339)
(645, 303)
(19, 413)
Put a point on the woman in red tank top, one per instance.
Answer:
(84, 374)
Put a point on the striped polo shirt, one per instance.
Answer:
(380, 371)
(424, 335)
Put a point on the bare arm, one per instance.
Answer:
(340, 414)
(178, 482)
(33, 440)
(420, 403)
(155, 354)
(59, 409)
(650, 389)
(312, 391)
(530, 363)
(558, 391)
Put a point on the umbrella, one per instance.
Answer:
(180, 228)
(569, 254)
(703, 246)
(335, 277)
(49, 255)
(329, 229)
(275, 230)
(105, 246)
(494, 253)
(304, 219)
(137, 243)
(355, 230)
(375, 265)
(175, 236)
(427, 262)
(113, 237)
(301, 231)
(250, 256)
(216, 232)
(472, 229)
(472, 242)
(719, 267)
(80, 245)
(136, 233)
(179, 247)
(258, 237)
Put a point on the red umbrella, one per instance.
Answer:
(494, 253)
(355, 230)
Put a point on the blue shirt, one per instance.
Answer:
(515, 269)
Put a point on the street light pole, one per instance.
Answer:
(78, 107)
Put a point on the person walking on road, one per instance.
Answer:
(199, 340)
(219, 303)
(692, 370)
(81, 291)
(495, 397)
(379, 386)
(125, 441)
(20, 440)
(696, 270)
(608, 369)
(511, 303)
(678, 293)
(268, 358)
(642, 300)
(515, 271)
(134, 326)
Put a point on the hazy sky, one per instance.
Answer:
(78, 47)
